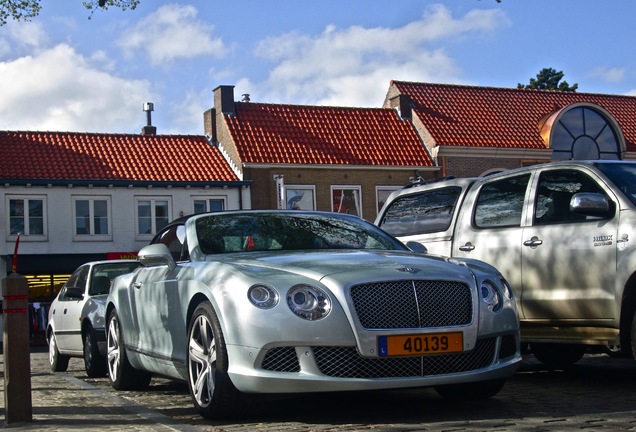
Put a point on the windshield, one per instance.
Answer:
(268, 231)
(623, 175)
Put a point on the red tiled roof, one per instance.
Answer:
(502, 117)
(98, 156)
(315, 135)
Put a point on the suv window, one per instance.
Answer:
(420, 213)
(500, 203)
(554, 192)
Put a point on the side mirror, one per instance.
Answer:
(156, 255)
(416, 247)
(74, 293)
(590, 204)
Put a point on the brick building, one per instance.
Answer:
(472, 131)
(317, 157)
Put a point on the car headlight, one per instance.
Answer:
(507, 289)
(491, 296)
(263, 296)
(308, 302)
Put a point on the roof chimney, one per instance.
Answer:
(246, 97)
(149, 129)
(224, 99)
(404, 105)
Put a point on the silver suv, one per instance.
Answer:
(561, 233)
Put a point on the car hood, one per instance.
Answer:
(358, 265)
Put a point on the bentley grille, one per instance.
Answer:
(346, 362)
(412, 304)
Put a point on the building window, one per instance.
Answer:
(584, 133)
(27, 217)
(300, 197)
(346, 199)
(152, 215)
(382, 193)
(92, 217)
(211, 204)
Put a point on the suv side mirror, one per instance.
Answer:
(590, 204)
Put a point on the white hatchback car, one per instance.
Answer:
(76, 317)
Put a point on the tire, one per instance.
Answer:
(121, 374)
(213, 394)
(57, 361)
(94, 362)
(471, 391)
(557, 355)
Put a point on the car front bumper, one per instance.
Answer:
(302, 369)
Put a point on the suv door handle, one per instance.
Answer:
(137, 285)
(467, 247)
(533, 242)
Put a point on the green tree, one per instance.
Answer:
(25, 10)
(549, 79)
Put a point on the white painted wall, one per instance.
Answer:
(59, 216)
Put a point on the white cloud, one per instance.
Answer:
(17, 38)
(27, 33)
(354, 66)
(610, 75)
(59, 89)
(171, 32)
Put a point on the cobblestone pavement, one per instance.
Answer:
(597, 394)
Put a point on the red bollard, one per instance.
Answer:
(17, 357)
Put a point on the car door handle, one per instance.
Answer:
(533, 242)
(467, 247)
(137, 285)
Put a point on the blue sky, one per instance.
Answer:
(65, 72)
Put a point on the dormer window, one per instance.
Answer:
(584, 132)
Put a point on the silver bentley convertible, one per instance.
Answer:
(291, 301)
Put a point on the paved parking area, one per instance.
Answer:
(597, 394)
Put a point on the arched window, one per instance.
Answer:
(583, 132)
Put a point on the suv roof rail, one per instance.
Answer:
(419, 180)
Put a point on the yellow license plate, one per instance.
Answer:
(434, 343)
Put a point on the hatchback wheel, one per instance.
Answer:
(121, 374)
(212, 391)
(57, 361)
(94, 362)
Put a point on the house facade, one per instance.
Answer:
(76, 197)
(473, 131)
(316, 157)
